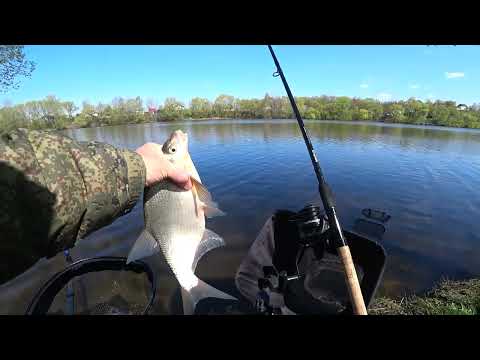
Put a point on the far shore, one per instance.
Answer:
(353, 122)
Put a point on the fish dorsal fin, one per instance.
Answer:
(209, 206)
(210, 241)
(144, 246)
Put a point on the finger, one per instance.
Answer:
(181, 178)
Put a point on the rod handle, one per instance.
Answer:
(352, 281)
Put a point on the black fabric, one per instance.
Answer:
(286, 242)
(371, 257)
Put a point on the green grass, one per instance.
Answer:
(447, 298)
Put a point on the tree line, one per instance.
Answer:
(52, 113)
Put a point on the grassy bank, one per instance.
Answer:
(447, 298)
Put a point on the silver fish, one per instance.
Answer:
(175, 224)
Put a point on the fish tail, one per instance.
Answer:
(188, 304)
(201, 291)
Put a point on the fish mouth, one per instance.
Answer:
(179, 135)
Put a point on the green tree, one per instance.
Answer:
(12, 117)
(224, 105)
(267, 106)
(88, 115)
(344, 108)
(416, 111)
(363, 114)
(286, 111)
(200, 108)
(311, 114)
(172, 110)
(246, 109)
(394, 112)
(375, 109)
(300, 101)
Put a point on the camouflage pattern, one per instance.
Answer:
(54, 191)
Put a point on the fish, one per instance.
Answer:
(175, 225)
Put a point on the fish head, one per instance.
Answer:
(176, 150)
(176, 147)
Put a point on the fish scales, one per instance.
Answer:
(180, 241)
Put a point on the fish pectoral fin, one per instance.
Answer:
(211, 210)
(210, 241)
(203, 194)
(210, 207)
(144, 246)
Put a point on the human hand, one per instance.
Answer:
(159, 168)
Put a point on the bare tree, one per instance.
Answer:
(151, 103)
(13, 64)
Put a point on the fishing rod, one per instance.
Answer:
(327, 199)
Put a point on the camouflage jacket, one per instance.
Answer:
(54, 191)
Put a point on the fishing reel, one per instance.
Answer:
(313, 232)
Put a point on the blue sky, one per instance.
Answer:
(99, 73)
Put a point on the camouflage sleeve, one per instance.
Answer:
(55, 191)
